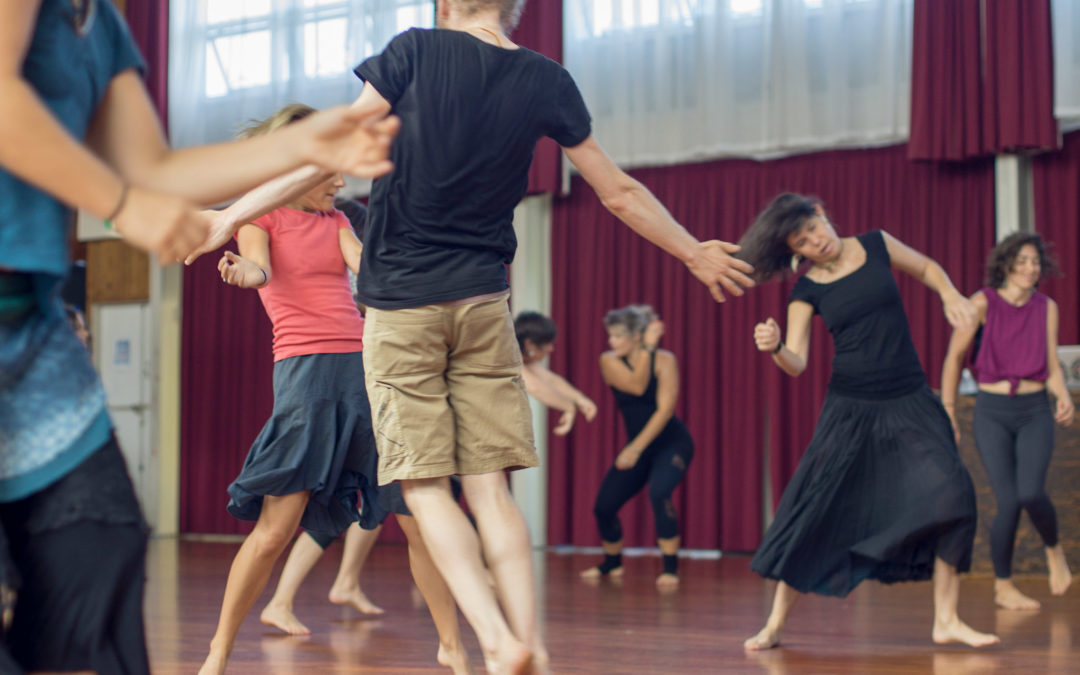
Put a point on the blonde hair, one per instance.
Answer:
(294, 112)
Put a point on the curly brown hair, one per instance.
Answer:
(765, 244)
(1003, 256)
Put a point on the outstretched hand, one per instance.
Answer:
(218, 234)
(349, 140)
(166, 226)
(767, 335)
(714, 266)
(960, 311)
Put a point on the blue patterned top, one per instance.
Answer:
(52, 405)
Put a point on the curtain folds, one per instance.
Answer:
(1056, 180)
(982, 79)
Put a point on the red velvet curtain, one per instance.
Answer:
(982, 79)
(149, 23)
(732, 398)
(540, 30)
(1057, 218)
(226, 392)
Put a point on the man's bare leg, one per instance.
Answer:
(947, 624)
(346, 589)
(455, 550)
(278, 520)
(440, 602)
(504, 535)
(769, 636)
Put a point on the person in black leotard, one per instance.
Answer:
(645, 382)
(881, 492)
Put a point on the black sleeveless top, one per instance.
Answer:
(636, 410)
(874, 354)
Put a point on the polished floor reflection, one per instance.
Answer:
(607, 628)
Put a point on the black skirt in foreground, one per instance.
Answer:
(880, 492)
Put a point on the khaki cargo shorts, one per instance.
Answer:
(446, 393)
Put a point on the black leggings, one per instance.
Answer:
(662, 466)
(1015, 438)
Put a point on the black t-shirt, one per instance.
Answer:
(874, 355)
(440, 226)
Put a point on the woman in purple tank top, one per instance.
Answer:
(1016, 363)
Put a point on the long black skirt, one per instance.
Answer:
(880, 493)
(318, 438)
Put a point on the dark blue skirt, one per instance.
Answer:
(318, 438)
(880, 493)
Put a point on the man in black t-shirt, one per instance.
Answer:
(444, 369)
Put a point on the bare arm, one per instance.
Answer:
(632, 203)
(958, 309)
(633, 379)
(539, 388)
(250, 269)
(351, 248)
(959, 343)
(796, 349)
(1064, 408)
(667, 395)
(285, 188)
(583, 402)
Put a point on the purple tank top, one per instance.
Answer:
(1013, 344)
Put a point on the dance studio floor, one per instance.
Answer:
(606, 628)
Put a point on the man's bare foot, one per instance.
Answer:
(282, 618)
(512, 658)
(355, 598)
(667, 581)
(958, 631)
(1060, 576)
(1008, 596)
(214, 664)
(456, 659)
(595, 573)
(766, 639)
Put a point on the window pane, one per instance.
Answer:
(325, 52)
(241, 60)
(218, 11)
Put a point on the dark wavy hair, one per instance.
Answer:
(634, 318)
(536, 327)
(765, 244)
(1003, 256)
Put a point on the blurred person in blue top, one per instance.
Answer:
(78, 130)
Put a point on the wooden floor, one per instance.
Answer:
(607, 628)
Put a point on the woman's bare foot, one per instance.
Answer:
(595, 573)
(282, 618)
(767, 639)
(1008, 596)
(214, 664)
(667, 581)
(456, 659)
(958, 631)
(511, 658)
(1060, 576)
(355, 598)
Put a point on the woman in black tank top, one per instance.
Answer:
(881, 492)
(645, 382)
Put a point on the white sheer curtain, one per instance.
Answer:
(231, 61)
(671, 81)
(1065, 20)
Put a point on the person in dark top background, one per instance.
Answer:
(881, 492)
(1016, 364)
(645, 383)
(445, 376)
